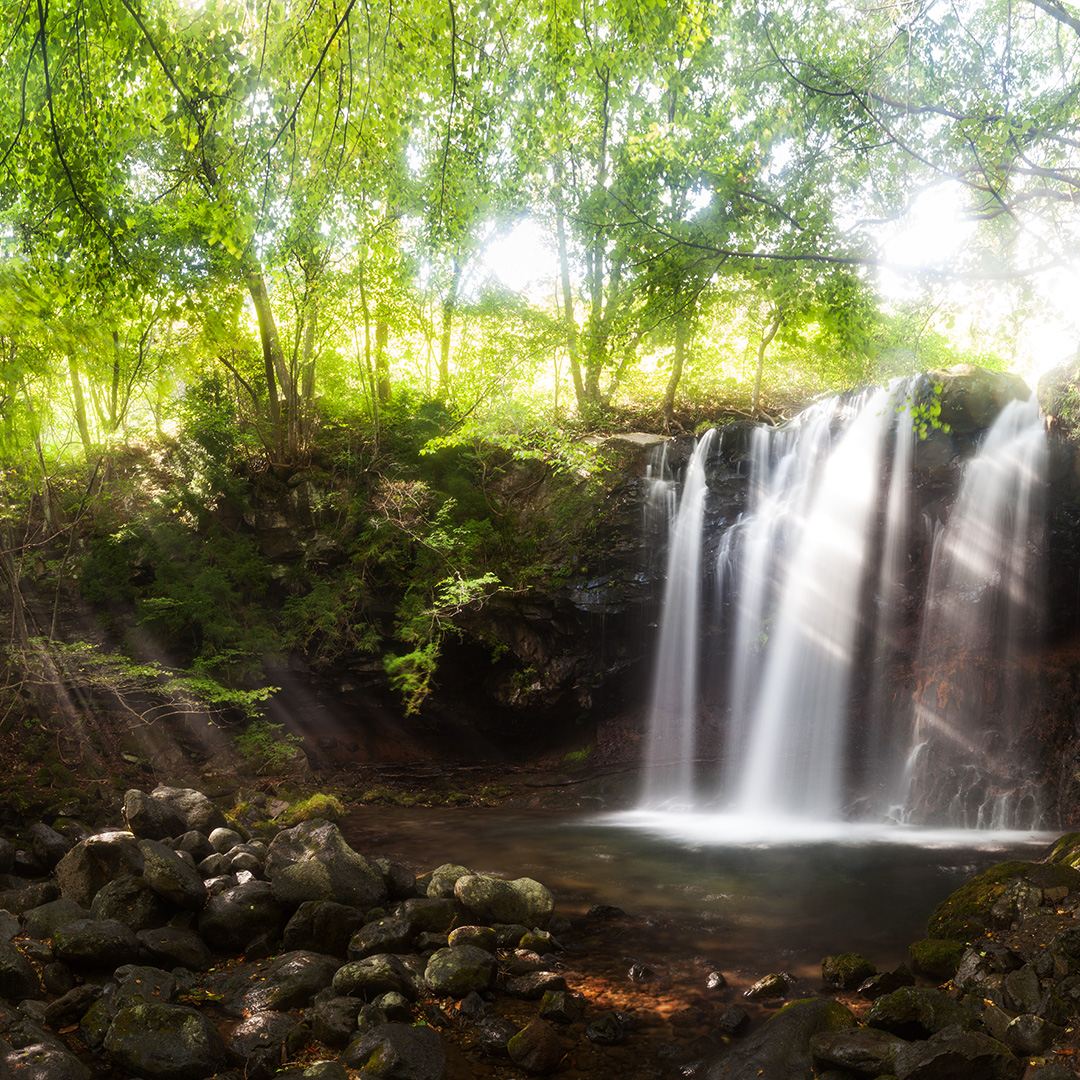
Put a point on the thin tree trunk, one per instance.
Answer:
(277, 373)
(667, 409)
(766, 337)
(78, 401)
(569, 323)
(382, 359)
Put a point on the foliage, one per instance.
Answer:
(267, 745)
(143, 692)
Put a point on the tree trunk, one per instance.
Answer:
(449, 306)
(78, 401)
(382, 359)
(277, 372)
(569, 322)
(767, 334)
(307, 366)
(667, 408)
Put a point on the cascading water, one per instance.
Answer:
(822, 719)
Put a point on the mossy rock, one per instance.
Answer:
(936, 958)
(965, 914)
(846, 971)
(1066, 852)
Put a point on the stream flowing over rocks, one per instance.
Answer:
(178, 948)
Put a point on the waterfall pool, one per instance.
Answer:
(744, 904)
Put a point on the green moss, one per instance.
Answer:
(577, 759)
(964, 915)
(319, 805)
(937, 958)
(1067, 851)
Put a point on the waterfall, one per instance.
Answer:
(835, 705)
(673, 713)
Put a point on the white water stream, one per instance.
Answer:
(810, 577)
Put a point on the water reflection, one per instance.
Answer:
(748, 905)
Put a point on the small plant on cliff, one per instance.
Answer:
(268, 746)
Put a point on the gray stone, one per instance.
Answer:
(312, 861)
(323, 925)
(534, 985)
(865, 1052)
(1029, 1036)
(373, 976)
(20, 900)
(483, 937)
(47, 844)
(41, 922)
(72, 1006)
(435, 915)
(176, 946)
(96, 943)
(150, 818)
(443, 879)
(132, 901)
(957, 1055)
(334, 1022)
(166, 873)
(1022, 991)
(770, 987)
(94, 862)
(261, 1031)
(389, 935)
(195, 809)
(223, 840)
(18, 978)
(562, 1007)
(195, 844)
(846, 971)
(522, 901)
(536, 1048)
(916, 1013)
(459, 970)
(289, 981)
(165, 1042)
(780, 1048)
(398, 1052)
(238, 915)
(43, 1061)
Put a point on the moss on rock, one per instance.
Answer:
(937, 958)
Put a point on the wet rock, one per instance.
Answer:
(1020, 900)
(323, 926)
(534, 985)
(495, 1033)
(398, 1052)
(312, 861)
(72, 1006)
(141, 983)
(459, 970)
(1022, 990)
(389, 935)
(195, 809)
(238, 915)
(915, 1013)
(495, 900)
(262, 1031)
(41, 922)
(48, 845)
(733, 1021)
(43, 1061)
(150, 818)
(846, 971)
(972, 397)
(132, 901)
(94, 862)
(18, 977)
(20, 900)
(936, 958)
(957, 1055)
(562, 1006)
(608, 1029)
(605, 912)
(886, 982)
(865, 1052)
(536, 1048)
(715, 981)
(224, 839)
(781, 1047)
(483, 937)
(372, 976)
(770, 987)
(195, 844)
(176, 946)
(167, 873)
(399, 880)
(443, 879)
(104, 943)
(435, 915)
(334, 1022)
(289, 981)
(1027, 1035)
(165, 1042)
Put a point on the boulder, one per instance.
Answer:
(846, 971)
(165, 1042)
(18, 977)
(493, 899)
(94, 862)
(237, 916)
(174, 946)
(390, 935)
(536, 1048)
(398, 1052)
(41, 922)
(312, 861)
(323, 925)
(780, 1048)
(48, 845)
(168, 874)
(150, 818)
(289, 981)
(131, 900)
(196, 811)
(916, 1013)
(102, 943)
(373, 976)
(971, 397)
(958, 1055)
(43, 1061)
(262, 1031)
(863, 1051)
(460, 970)
(334, 1022)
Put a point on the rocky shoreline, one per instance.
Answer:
(182, 945)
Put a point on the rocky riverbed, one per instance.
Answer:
(180, 945)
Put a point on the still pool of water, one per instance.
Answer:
(710, 886)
